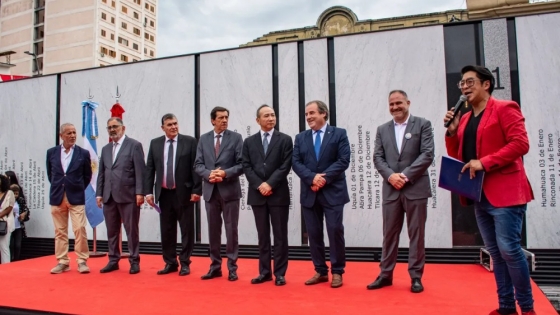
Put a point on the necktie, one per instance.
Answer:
(217, 146)
(115, 144)
(265, 142)
(317, 143)
(169, 180)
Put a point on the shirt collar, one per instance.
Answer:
(174, 138)
(323, 129)
(120, 142)
(221, 133)
(71, 148)
(404, 123)
(269, 132)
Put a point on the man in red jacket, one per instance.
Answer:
(492, 138)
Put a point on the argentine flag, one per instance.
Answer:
(90, 132)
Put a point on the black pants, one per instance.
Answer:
(171, 212)
(15, 244)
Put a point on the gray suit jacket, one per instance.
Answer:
(229, 159)
(417, 154)
(123, 179)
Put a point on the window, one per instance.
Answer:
(113, 4)
(152, 24)
(138, 2)
(152, 38)
(151, 53)
(136, 31)
(104, 16)
(112, 20)
(135, 46)
(124, 9)
(112, 53)
(152, 9)
(103, 33)
(103, 51)
(123, 41)
(124, 58)
(112, 36)
(104, 1)
(145, 50)
(136, 16)
(123, 25)
(146, 36)
(147, 6)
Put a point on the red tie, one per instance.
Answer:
(217, 146)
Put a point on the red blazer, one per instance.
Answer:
(501, 141)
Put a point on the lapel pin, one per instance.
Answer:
(408, 136)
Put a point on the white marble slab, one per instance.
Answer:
(148, 91)
(538, 45)
(239, 80)
(316, 68)
(27, 131)
(496, 55)
(289, 124)
(368, 67)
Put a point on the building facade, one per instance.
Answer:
(340, 20)
(51, 36)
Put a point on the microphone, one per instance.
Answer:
(456, 110)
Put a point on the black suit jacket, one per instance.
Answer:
(272, 168)
(187, 182)
(74, 181)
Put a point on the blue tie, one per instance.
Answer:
(317, 143)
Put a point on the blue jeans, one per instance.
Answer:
(501, 232)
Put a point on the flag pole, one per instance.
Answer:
(95, 253)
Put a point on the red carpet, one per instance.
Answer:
(450, 289)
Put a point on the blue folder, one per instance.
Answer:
(451, 178)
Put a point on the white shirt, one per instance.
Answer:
(65, 158)
(118, 148)
(322, 135)
(269, 137)
(221, 138)
(165, 156)
(399, 132)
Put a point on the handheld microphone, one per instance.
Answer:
(456, 110)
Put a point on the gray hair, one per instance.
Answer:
(64, 125)
(403, 93)
(116, 119)
(322, 107)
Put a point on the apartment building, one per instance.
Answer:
(51, 36)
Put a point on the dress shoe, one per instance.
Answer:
(261, 279)
(185, 270)
(280, 280)
(232, 276)
(495, 312)
(336, 281)
(416, 286)
(110, 267)
(317, 278)
(211, 275)
(168, 269)
(134, 269)
(379, 283)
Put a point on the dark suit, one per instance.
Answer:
(119, 183)
(416, 155)
(221, 198)
(175, 201)
(329, 201)
(272, 168)
(74, 181)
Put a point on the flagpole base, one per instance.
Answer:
(97, 254)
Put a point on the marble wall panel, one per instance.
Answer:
(496, 55)
(368, 67)
(241, 81)
(316, 68)
(148, 90)
(289, 124)
(27, 131)
(538, 45)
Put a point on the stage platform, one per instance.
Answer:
(449, 289)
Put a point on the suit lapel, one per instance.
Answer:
(392, 136)
(309, 140)
(124, 146)
(483, 121)
(407, 130)
(74, 157)
(258, 143)
(326, 139)
(59, 157)
(180, 145)
(273, 141)
(223, 142)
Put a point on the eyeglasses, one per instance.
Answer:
(467, 83)
(113, 127)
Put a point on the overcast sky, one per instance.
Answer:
(191, 26)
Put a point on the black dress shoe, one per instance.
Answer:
(232, 276)
(280, 281)
(379, 283)
(185, 270)
(134, 269)
(168, 269)
(416, 286)
(261, 279)
(110, 267)
(211, 275)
